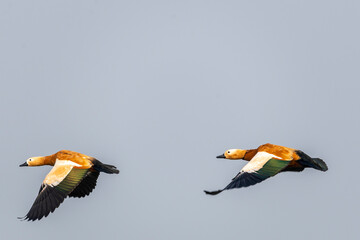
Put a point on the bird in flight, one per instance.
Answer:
(74, 175)
(267, 161)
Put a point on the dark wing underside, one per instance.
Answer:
(87, 185)
(50, 197)
(47, 201)
(245, 179)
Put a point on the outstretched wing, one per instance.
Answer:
(61, 180)
(262, 166)
(87, 184)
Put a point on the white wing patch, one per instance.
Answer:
(59, 172)
(258, 161)
(55, 183)
(66, 162)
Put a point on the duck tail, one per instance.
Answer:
(308, 161)
(106, 168)
(319, 164)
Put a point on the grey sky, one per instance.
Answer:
(159, 88)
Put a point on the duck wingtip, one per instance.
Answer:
(22, 218)
(213, 192)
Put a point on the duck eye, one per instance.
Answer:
(228, 151)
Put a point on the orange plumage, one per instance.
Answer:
(74, 175)
(267, 161)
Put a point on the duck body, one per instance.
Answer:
(266, 161)
(73, 174)
(79, 160)
(298, 159)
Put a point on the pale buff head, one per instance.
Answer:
(34, 161)
(233, 154)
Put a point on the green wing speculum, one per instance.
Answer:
(272, 167)
(73, 179)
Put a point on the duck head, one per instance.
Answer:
(33, 161)
(233, 154)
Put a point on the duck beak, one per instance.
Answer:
(221, 156)
(24, 164)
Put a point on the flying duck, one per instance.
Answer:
(74, 175)
(267, 161)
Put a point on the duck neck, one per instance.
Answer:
(50, 160)
(249, 154)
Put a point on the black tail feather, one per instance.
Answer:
(106, 168)
(308, 161)
(320, 164)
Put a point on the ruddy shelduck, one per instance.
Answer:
(74, 175)
(267, 161)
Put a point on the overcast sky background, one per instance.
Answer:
(159, 89)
